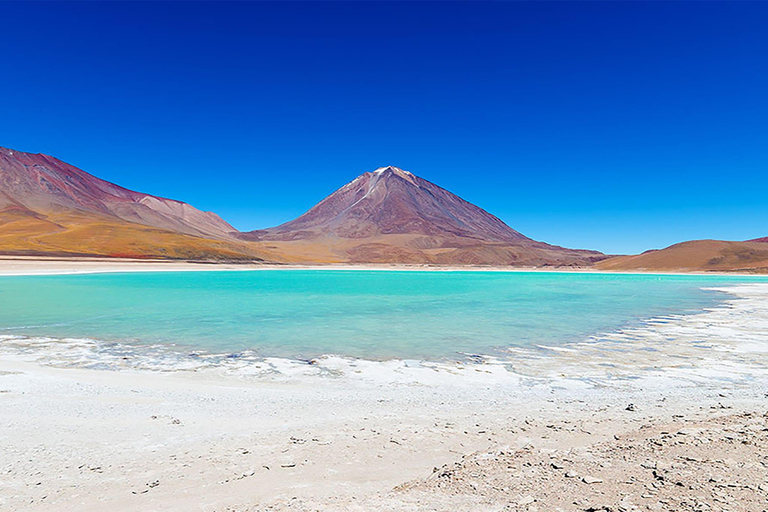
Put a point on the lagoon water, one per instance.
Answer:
(378, 315)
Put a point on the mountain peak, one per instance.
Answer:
(392, 169)
(392, 215)
(393, 201)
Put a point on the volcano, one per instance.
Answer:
(393, 216)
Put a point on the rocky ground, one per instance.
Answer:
(716, 464)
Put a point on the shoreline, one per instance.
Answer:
(601, 356)
(35, 266)
(96, 439)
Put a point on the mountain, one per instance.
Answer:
(43, 183)
(393, 216)
(50, 207)
(697, 255)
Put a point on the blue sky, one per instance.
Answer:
(617, 126)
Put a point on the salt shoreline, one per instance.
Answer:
(90, 439)
(735, 350)
(31, 266)
(206, 440)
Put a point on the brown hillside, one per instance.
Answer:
(697, 255)
(72, 233)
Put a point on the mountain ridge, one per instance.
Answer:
(389, 215)
(41, 182)
(50, 207)
(696, 255)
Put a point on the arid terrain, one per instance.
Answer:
(91, 439)
(698, 255)
(388, 216)
(688, 464)
(51, 208)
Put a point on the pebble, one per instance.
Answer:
(591, 480)
(526, 500)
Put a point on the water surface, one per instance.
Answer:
(365, 314)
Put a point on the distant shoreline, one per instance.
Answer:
(55, 265)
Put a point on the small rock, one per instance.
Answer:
(591, 480)
(630, 407)
(526, 500)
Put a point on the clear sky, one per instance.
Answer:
(617, 126)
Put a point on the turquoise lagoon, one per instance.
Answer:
(377, 315)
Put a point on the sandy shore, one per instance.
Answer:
(22, 265)
(674, 421)
(33, 265)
